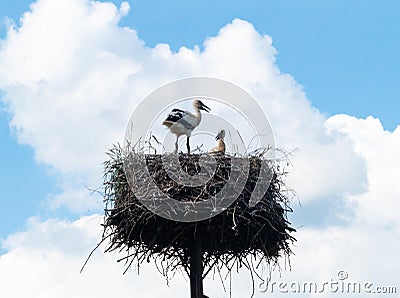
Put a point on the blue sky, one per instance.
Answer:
(343, 55)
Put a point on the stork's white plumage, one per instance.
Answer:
(182, 122)
(220, 148)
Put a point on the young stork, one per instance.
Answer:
(220, 148)
(183, 122)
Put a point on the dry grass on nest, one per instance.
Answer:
(228, 238)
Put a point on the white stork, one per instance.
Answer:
(183, 122)
(220, 148)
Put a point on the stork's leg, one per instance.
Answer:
(176, 145)
(188, 145)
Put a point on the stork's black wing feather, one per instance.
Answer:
(178, 111)
(175, 115)
(179, 115)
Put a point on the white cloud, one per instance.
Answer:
(88, 199)
(124, 8)
(71, 77)
(322, 254)
(45, 261)
(379, 148)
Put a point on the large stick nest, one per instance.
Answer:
(228, 238)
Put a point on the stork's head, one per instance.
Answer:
(198, 105)
(220, 135)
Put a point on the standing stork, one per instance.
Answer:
(220, 148)
(182, 122)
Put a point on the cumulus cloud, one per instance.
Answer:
(45, 261)
(71, 76)
(321, 254)
(124, 8)
(379, 148)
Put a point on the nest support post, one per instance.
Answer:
(196, 269)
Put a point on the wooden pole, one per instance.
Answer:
(196, 269)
